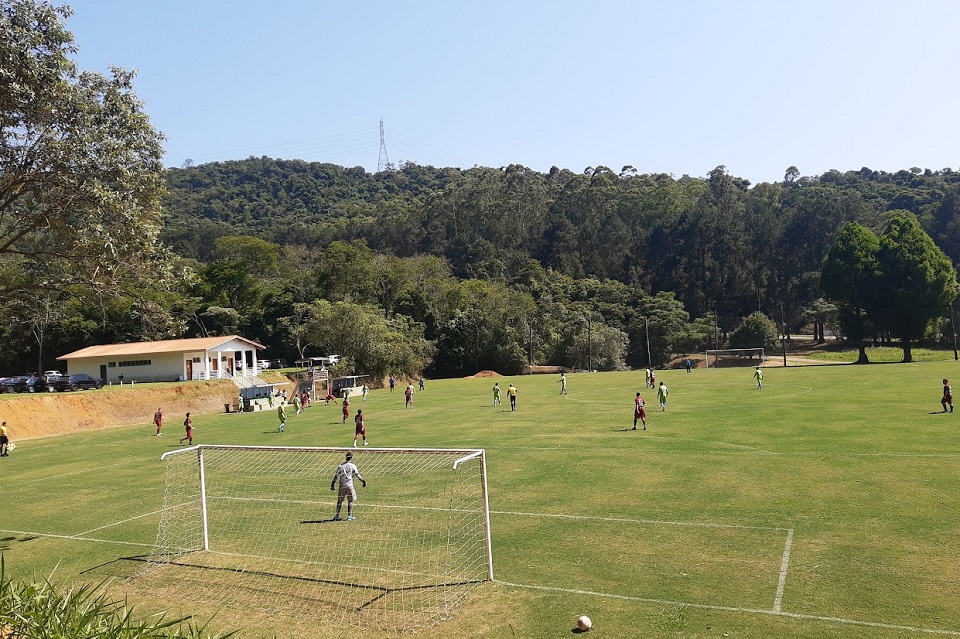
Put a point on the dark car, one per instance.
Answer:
(9, 384)
(34, 384)
(76, 381)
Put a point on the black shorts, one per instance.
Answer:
(4, 439)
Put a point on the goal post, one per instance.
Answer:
(251, 528)
(736, 356)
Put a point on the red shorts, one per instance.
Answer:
(947, 399)
(640, 414)
(361, 430)
(346, 410)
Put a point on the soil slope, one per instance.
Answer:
(48, 414)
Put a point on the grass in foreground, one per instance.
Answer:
(45, 609)
(822, 506)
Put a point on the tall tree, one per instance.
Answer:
(80, 164)
(850, 276)
(919, 281)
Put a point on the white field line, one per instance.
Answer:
(622, 520)
(76, 538)
(784, 563)
(744, 451)
(76, 472)
(638, 521)
(752, 611)
(753, 448)
(117, 523)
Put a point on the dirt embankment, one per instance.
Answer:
(48, 414)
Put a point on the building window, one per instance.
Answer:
(136, 362)
(111, 364)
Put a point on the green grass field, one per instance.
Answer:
(824, 505)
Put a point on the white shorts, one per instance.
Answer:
(350, 492)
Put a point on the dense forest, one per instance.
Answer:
(460, 270)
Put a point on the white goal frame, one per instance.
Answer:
(188, 537)
(737, 352)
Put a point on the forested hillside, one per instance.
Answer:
(450, 271)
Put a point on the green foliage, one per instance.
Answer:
(917, 278)
(375, 345)
(46, 610)
(80, 169)
(755, 331)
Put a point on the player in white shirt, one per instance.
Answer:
(345, 474)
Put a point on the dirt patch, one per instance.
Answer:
(50, 414)
(483, 375)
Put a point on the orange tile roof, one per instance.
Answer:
(160, 346)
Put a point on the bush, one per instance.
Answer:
(755, 331)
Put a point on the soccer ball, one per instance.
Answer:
(584, 623)
(11, 446)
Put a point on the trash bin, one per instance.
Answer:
(226, 408)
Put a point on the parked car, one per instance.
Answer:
(52, 374)
(77, 381)
(35, 384)
(9, 384)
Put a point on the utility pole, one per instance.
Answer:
(953, 329)
(589, 345)
(530, 350)
(646, 329)
(783, 334)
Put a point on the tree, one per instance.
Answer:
(820, 312)
(376, 346)
(755, 331)
(663, 319)
(80, 164)
(850, 276)
(918, 280)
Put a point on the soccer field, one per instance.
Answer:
(824, 505)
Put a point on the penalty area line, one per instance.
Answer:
(750, 611)
(623, 520)
(76, 538)
(784, 563)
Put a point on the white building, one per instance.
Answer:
(168, 360)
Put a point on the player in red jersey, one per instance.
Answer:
(361, 430)
(639, 412)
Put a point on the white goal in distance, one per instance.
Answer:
(738, 355)
(251, 528)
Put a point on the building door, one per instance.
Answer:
(230, 366)
(103, 372)
(189, 369)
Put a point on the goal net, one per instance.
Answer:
(734, 357)
(252, 529)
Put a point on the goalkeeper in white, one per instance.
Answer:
(345, 474)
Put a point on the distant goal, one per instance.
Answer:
(250, 529)
(733, 357)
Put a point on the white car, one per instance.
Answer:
(52, 374)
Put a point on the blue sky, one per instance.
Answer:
(670, 86)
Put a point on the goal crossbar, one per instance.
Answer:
(734, 352)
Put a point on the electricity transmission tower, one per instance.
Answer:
(383, 164)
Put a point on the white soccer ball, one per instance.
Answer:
(584, 623)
